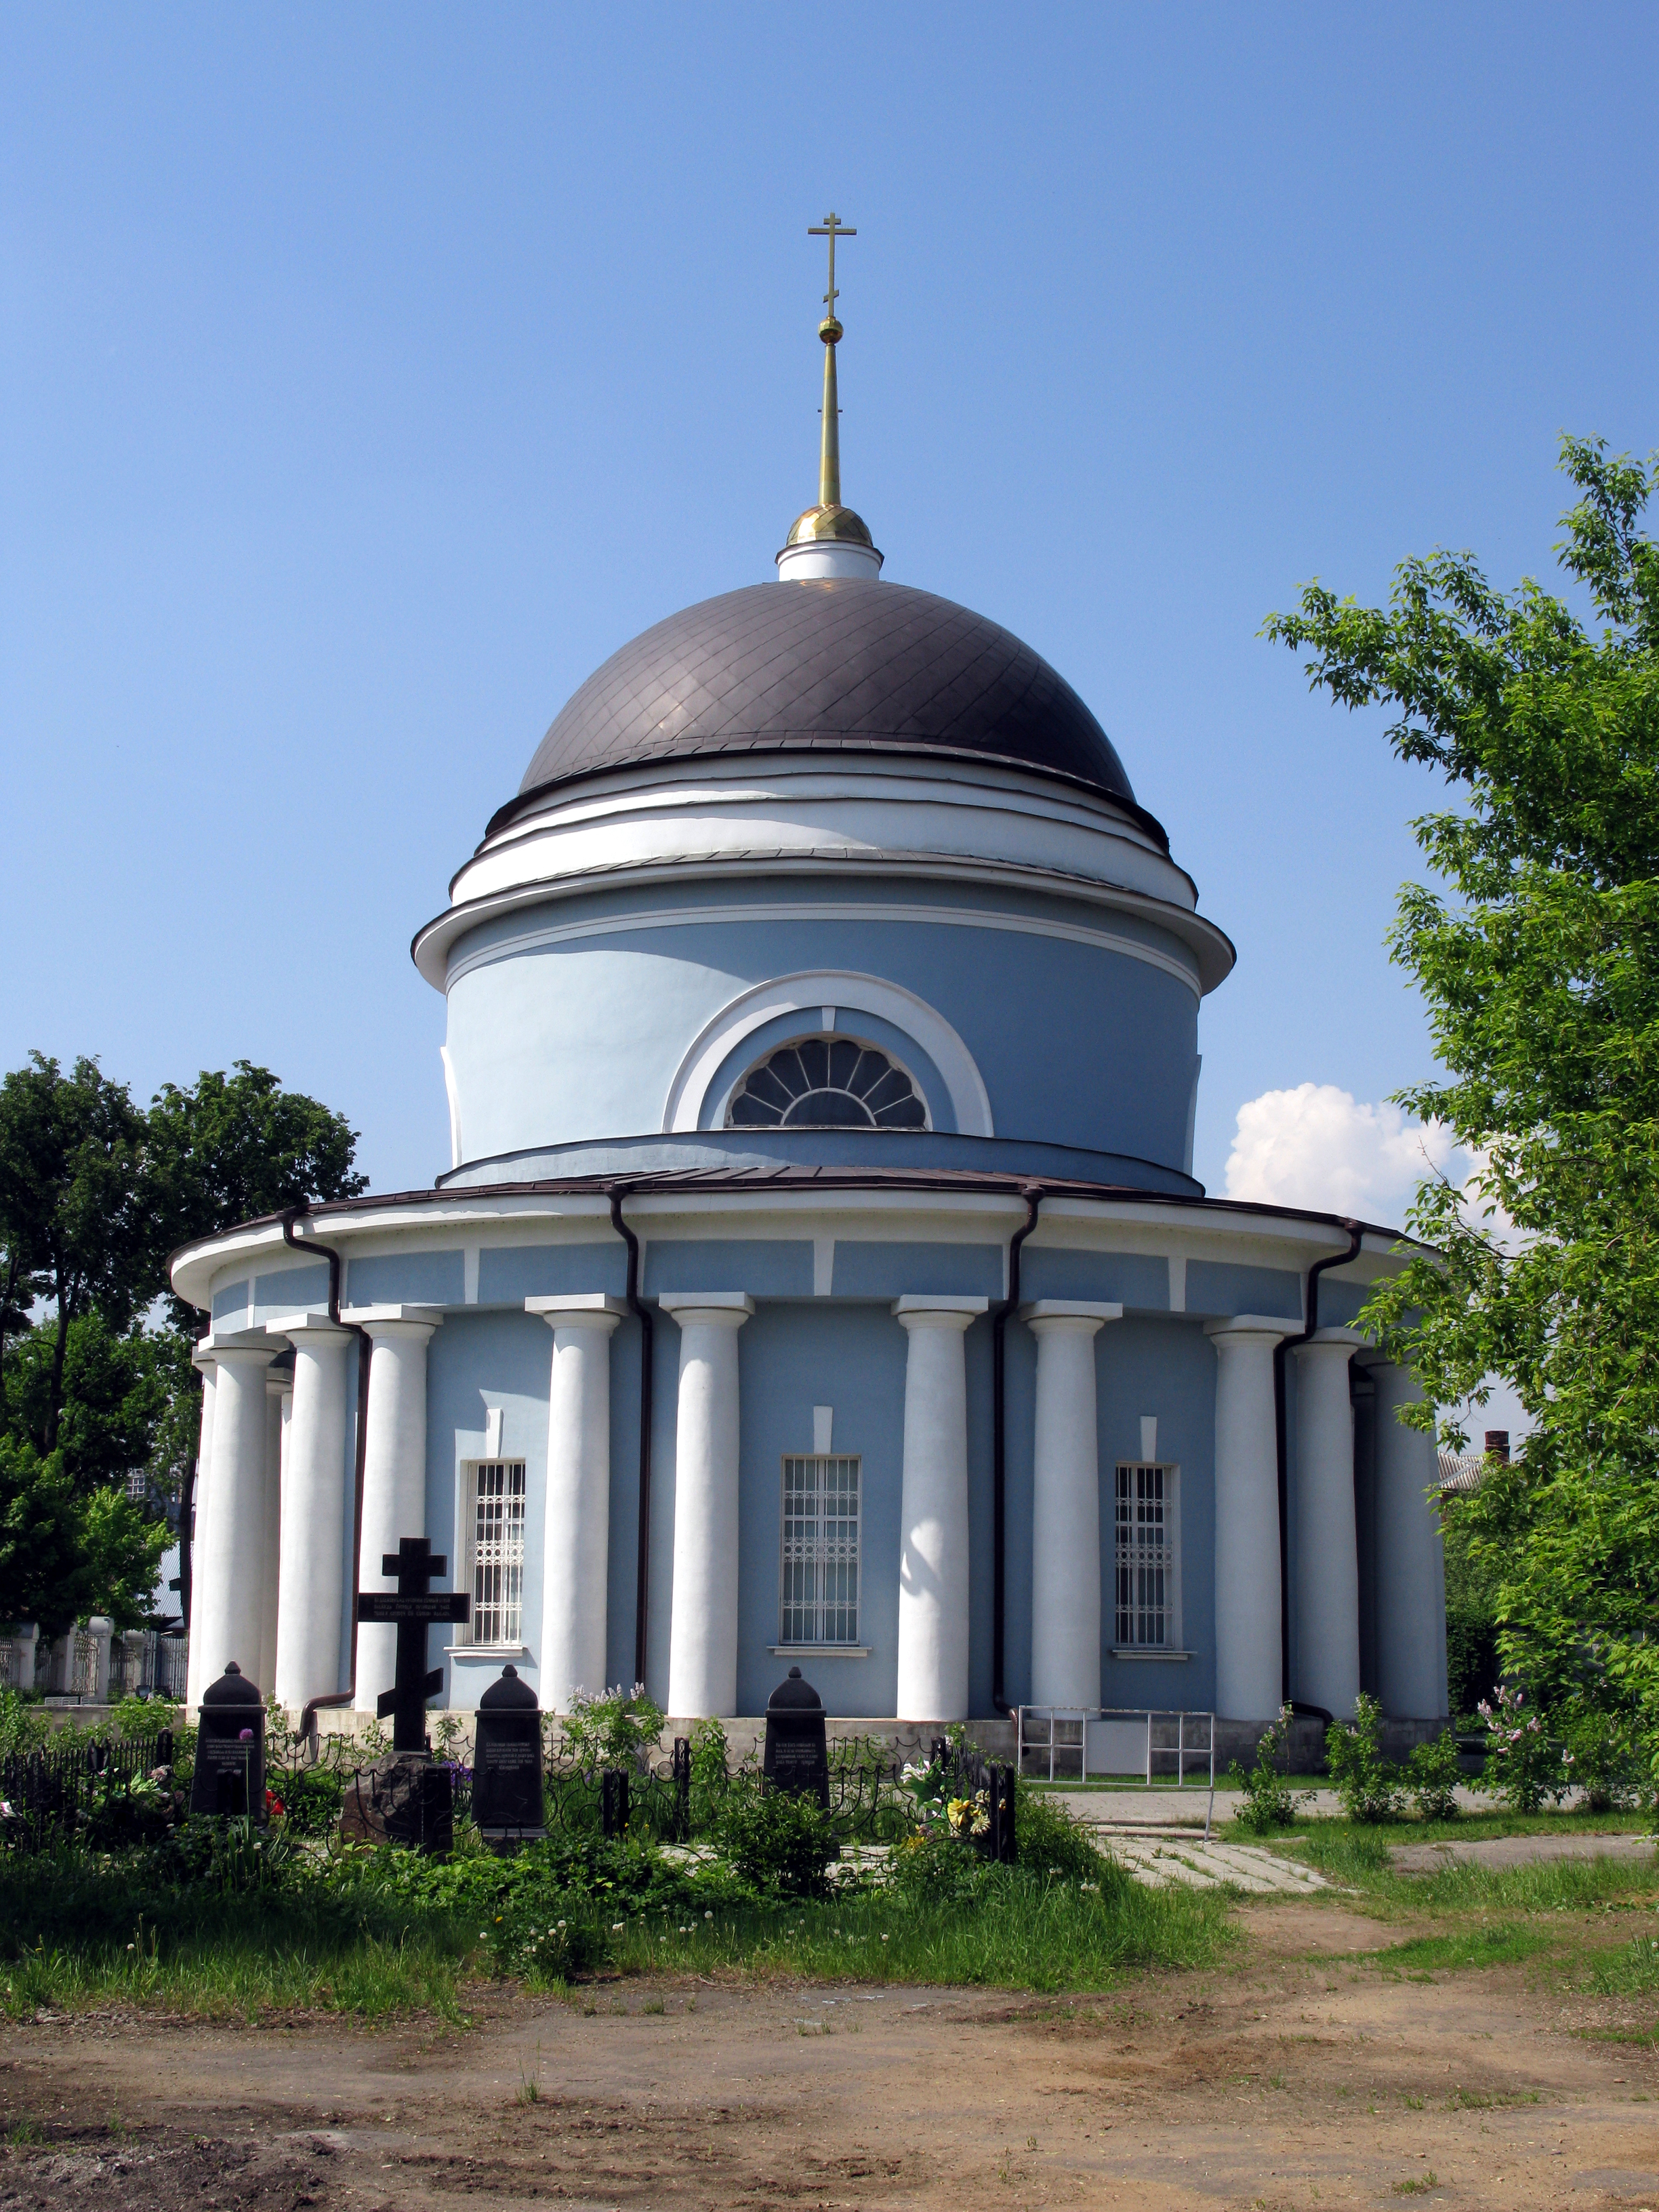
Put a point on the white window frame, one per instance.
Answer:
(1173, 1646)
(466, 1554)
(825, 1551)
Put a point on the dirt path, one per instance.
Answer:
(1298, 2076)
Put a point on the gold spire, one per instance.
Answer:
(829, 331)
(830, 518)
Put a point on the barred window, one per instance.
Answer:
(820, 1550)
(497, 1551)
(1147, 1598)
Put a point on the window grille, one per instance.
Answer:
(497, 1551)
(820, 1550)
(827, 1082)
(1146, 1610)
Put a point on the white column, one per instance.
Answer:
(26, 1644)
(316, 1480)
(231, 1560)
(1411, 1581)
(394, 1470)
(1326, 1541)
(576, 1521)
(702, 1636)
(101, 1629)
(194, 1541)
(1248, 1669)
(278, 1394)
(932, 1620)
(1066, 1561)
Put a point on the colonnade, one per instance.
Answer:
(272, 1496)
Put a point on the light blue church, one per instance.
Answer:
(819, 1276)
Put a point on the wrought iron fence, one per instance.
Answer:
(48, 1795)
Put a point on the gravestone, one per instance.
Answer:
(229, 1779)
(414, 1608)
(404, 1798)
(797, 1756)
(507, 1761)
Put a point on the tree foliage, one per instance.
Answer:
(94, 1195)
(1539, 965)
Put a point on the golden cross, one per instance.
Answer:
(832, 228)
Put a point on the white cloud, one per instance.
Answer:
(1320, 1147)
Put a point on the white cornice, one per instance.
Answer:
(1212, 953)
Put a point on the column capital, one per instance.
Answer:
(394, 1321)
(581, 1310)
(247, 1354)
(1068, 1316)
(313, 1328)
(926, 1310)
(1351, 1339)
(1249, 1329)
(710, 1309)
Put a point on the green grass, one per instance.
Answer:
(1022, 1933)
(74, 1933)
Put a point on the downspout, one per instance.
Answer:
(1287, 1344)
(365, 1349)
(1032, 1193)
(642, 1314)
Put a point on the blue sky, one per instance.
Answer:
(367, 376)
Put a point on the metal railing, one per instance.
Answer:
(1120, 1741)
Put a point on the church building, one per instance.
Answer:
(819, 1276)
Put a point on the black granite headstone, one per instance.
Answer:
(230, 1748)
(507, 1759)
(797, 1756)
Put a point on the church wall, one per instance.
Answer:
(475, 1362)
(765, 1266)
(877, 1269)
(406, 1278)
(581, 1040)
(1167, 1369)
(1220, 1286)
(792, 1358)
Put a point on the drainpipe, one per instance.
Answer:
(643, 1313)
(1285, 1345)
(1032, 1193)
(365, 1348)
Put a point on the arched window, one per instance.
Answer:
(826, 1082)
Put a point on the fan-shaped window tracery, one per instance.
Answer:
(827, 1082)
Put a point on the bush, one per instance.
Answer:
(24, 1726)
(777, 1841)
(1049, 1841)
(1599, 1759)
(1434, 1774)
(311, 1797)
(619, 1729)
(1368, 1785)
(708, 1774)
(1524, 1767)
(1269, 1800)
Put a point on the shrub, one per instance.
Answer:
(311, 1799)
(1269, 1802)
(24, 1726)
(708, 1773)
(1369, 1783)
(1524, 1767)
(619, 1729)
(1599, 1759)
(780, 1844)
(1433, 1773)
(1049, 1841)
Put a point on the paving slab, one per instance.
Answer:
(1159, 1862)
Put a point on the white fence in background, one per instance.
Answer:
(1099, 1742)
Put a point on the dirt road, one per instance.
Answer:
(1300, 2075)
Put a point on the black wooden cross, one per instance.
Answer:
(414, 1608)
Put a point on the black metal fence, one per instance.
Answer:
(47, 1795)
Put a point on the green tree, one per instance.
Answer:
(117, 1390)
(41, 1563)
(236, 1146)
(73, 1202)
(1540, 970)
